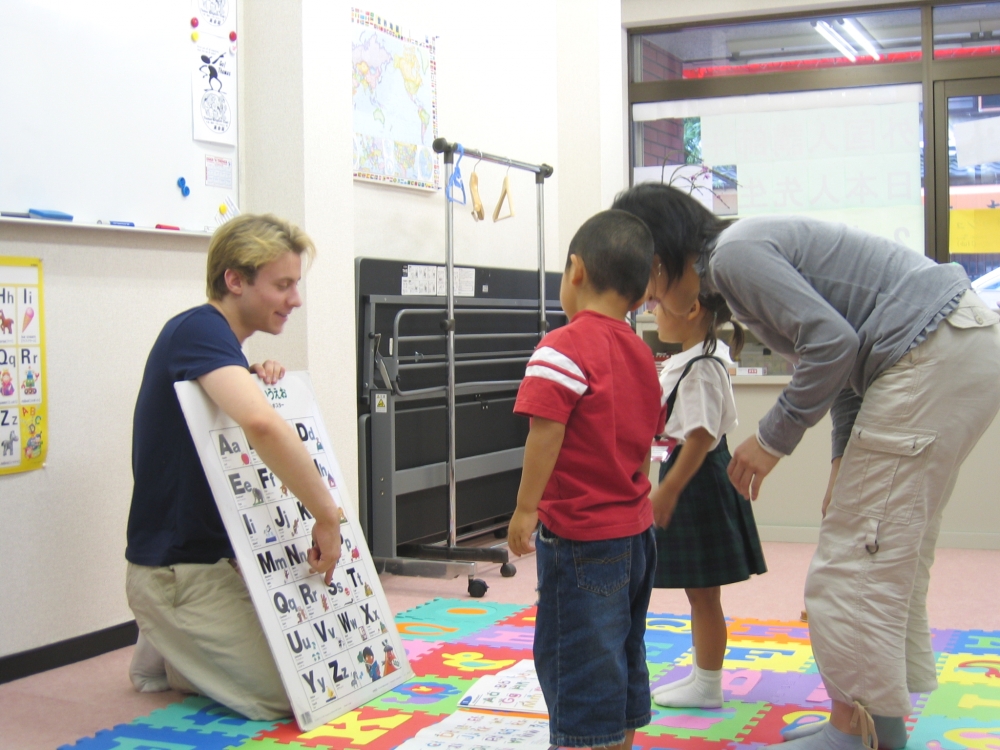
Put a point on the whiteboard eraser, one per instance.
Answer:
(42, 213)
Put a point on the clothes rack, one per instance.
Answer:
(447, 559)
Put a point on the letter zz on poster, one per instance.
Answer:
(336, 646)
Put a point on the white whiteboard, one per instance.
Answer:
(98, 108)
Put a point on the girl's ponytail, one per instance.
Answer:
(715, 303)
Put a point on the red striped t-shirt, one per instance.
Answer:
(596, 376)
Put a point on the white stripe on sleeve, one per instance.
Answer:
(541, 371)
(560, 360)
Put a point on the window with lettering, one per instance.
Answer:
(849, 155)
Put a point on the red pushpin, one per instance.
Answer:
(194, 23)
(232, 36)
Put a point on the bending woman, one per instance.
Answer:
(905, 357)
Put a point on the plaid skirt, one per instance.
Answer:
(712, 538)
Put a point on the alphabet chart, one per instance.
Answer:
(464, 730)
(336, 646)
(23, 425)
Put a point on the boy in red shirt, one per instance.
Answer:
(595, 401)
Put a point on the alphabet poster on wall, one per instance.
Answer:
(23, 424)
(336, 646)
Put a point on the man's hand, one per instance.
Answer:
(522, 525)
(270, 372)
(749, 466)
(325, 552)
(834, 470)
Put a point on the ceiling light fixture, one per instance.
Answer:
(853, 28)
(827, 32)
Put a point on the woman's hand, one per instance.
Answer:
(749, 466)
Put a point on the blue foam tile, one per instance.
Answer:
(141, 737)
(197, 714)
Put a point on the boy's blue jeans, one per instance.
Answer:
(589, 649)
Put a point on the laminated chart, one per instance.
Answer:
(336, 646)
(23, 413)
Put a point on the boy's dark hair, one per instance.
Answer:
(616, 248)
(715, 303)
(682, 228)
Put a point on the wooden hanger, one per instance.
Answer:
(504, 193)
(477, 205)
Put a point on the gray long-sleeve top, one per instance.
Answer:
(841, 304)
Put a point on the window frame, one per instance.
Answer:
(933, 75)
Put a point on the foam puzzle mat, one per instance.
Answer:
(770, 683)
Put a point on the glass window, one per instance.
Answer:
(966, 31)
(770, 47)
(851, 155)
(974, 189)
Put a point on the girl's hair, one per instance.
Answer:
(682, 228)
(715, 303)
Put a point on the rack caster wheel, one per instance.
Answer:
(477, 588)
(507, 570)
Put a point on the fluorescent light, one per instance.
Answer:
(827, 32)
(859, 36)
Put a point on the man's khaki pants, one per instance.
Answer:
(866, 591)
(201, 620)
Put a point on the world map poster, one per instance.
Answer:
(395, 104)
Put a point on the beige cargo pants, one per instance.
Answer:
(866, 590)
(201, 620)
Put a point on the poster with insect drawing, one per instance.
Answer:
(214, 72)
(23, 401)
(336, 646)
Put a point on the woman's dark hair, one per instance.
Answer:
(682, 228)
(715, 303)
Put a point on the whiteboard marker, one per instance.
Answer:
(116, 223)
(167, 226)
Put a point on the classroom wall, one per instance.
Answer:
(516, 81)
(108, 293)
(496, 84)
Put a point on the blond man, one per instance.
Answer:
(198, 628)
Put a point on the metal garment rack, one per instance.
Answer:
(448, 560)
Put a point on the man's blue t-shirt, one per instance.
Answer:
(174, 518)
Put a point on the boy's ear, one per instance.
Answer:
(577, 271)
(234, 281)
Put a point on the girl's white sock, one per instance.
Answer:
(705, 691)
(685, 680)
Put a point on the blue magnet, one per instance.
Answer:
(182, 184)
